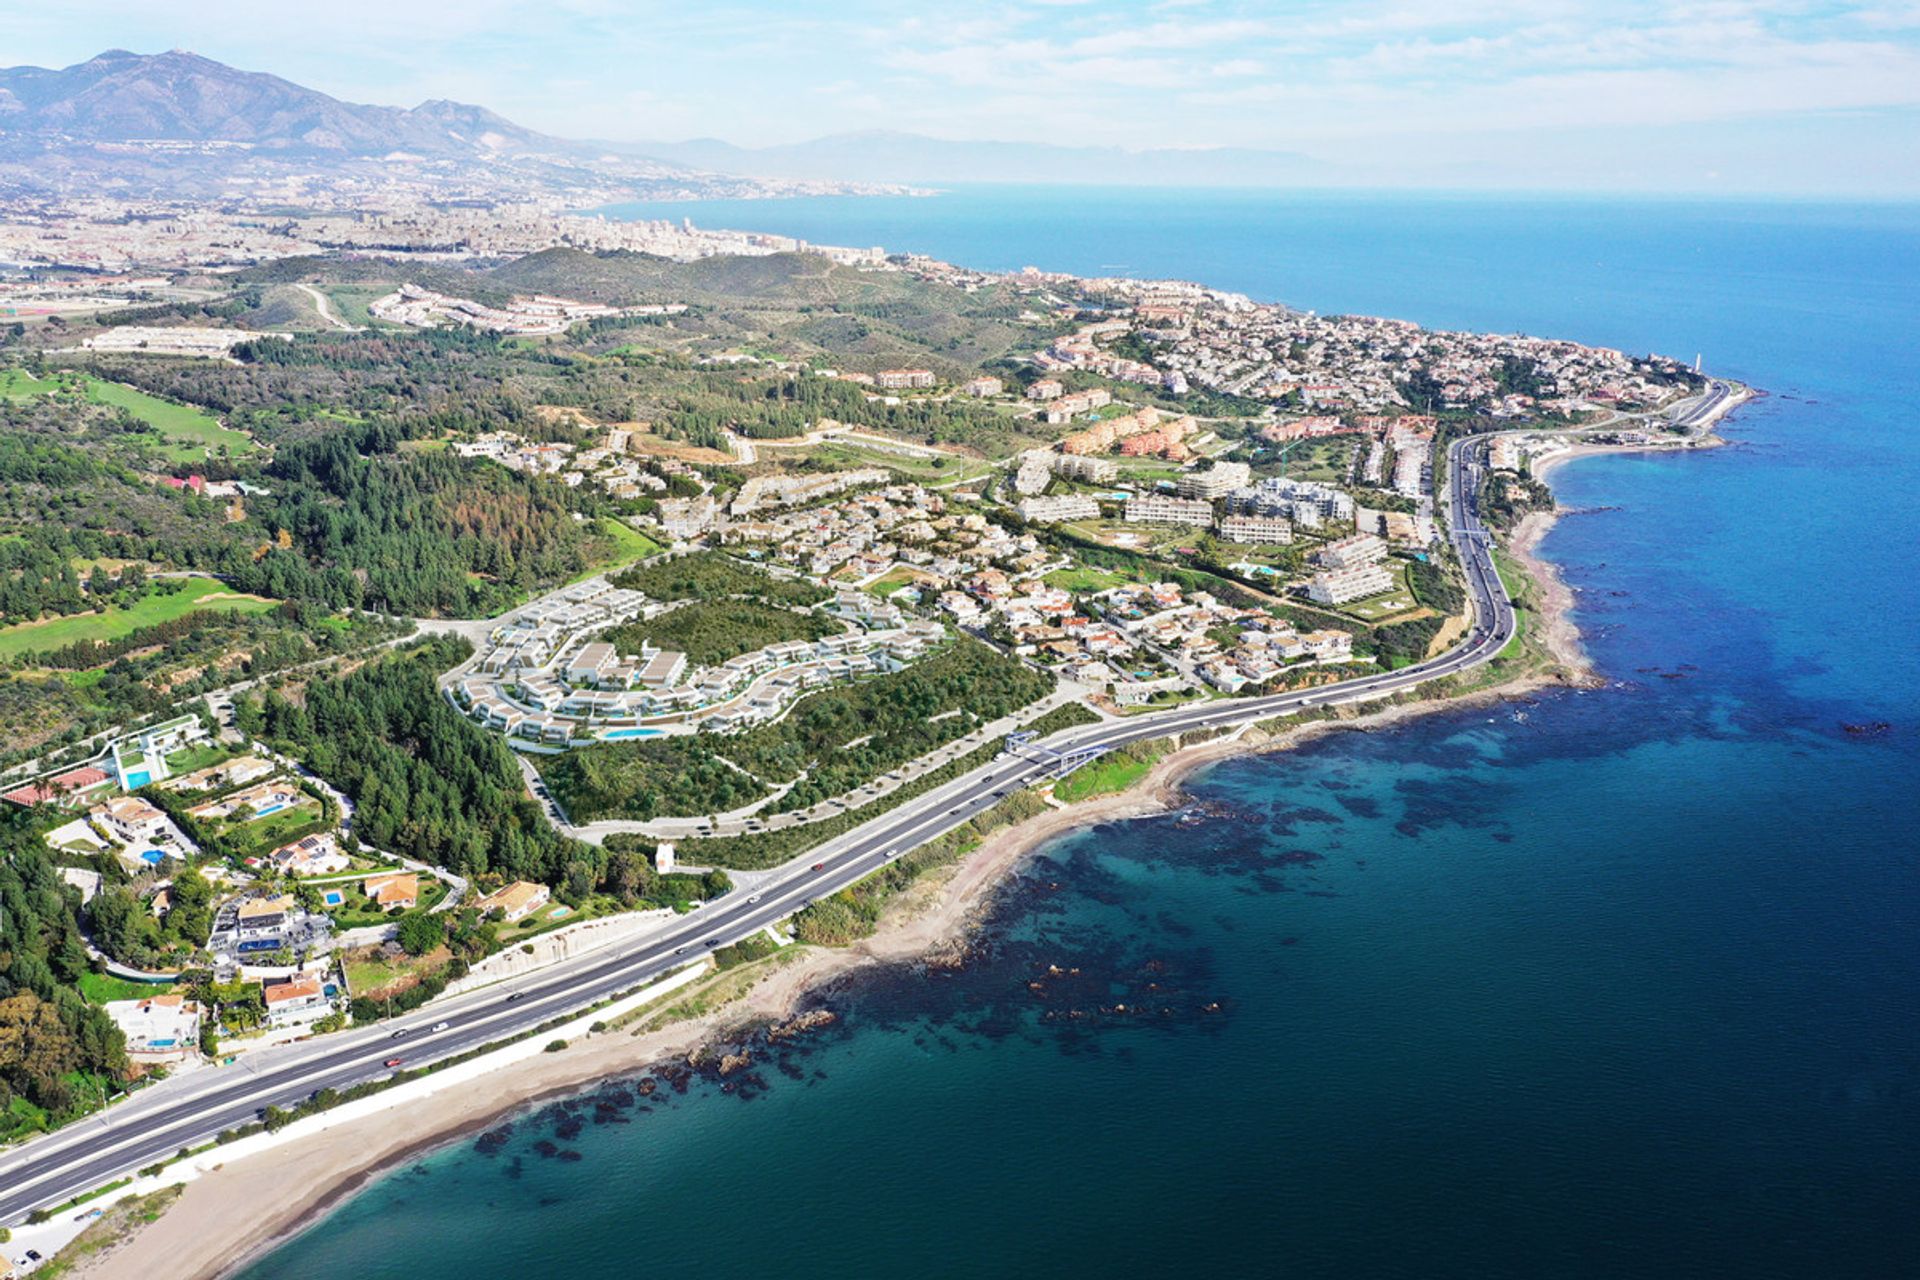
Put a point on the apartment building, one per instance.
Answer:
(1155, 508)
(1338, 586)
(1267, 529)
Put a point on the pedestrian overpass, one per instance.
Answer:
(1058, 764)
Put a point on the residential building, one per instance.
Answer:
(515, 901)
(903, 379)
(1046, 389)
(983, 386)
(1154, 508)
(290, 1001)
(1076, 506)
(396, 889)
(129, 819)
(1267, 529)
(160, 1028)
(314, 855)
(1352, 552)
(1338, 586)
(1216, 481)
(1084, 469)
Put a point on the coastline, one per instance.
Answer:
(235, 1213)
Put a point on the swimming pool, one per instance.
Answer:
(154, 857)
(612, 734)
(161, 1044)
(137, 780)
(333, 897)
(272, 808)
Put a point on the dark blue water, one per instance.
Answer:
(1625, 987)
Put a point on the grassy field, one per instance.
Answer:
(350, 302)
(17, 384)
(918, 467)
(1111, 773)
(190, 432)
(893, 580)
(631, 543)
(55, 633)
(99, 988)
(1086, 579)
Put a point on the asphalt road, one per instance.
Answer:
(191, 1109)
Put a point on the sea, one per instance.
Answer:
(1613, 982)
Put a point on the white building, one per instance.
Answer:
(161, 1028)
(1352, 552)
(1154, 508)
(1267, 529)
(1073, 506)
(1338, 586)
(1217, 481)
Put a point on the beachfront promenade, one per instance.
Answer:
(191, 1109)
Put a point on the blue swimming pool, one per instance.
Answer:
(139, 779)
(612, 734)
(333, 897)
(154, 857)
(272, 808)
(161, 1044)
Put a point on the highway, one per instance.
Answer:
(191, 1109)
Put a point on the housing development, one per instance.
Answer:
(430, 623)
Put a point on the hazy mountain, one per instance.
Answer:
(883, 156)
(179, 124)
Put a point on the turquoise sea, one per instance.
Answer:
(1614, 983)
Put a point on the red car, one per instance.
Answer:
(819, 866)
(394, 1062)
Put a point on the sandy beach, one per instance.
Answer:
(241, 1209)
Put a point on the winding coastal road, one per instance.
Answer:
(191, 1109)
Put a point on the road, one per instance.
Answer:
(324, 305)
(190, 1109)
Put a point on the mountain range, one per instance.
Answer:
(180, 124)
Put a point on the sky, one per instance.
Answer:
(1722, 95)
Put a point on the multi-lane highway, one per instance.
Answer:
(192, 1109)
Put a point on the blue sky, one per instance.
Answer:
(1633, 94)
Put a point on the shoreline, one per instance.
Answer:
(234, 1214)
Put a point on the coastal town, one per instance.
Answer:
(1165, 509)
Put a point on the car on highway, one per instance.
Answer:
(394, 1062)
(678, 950)
(755, 898)
(819, 866)
(401, 1034)
(514, 995)
(438, 1026)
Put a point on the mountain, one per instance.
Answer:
(179, 124)
(183, 97)
(905, 157)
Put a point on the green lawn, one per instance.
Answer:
(630, 544)
(18, 384)
(1111, 773)
(56, 633)
(1086, 579)
(892, 581)
(191, 431)
(99, 988)
(711, 631)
